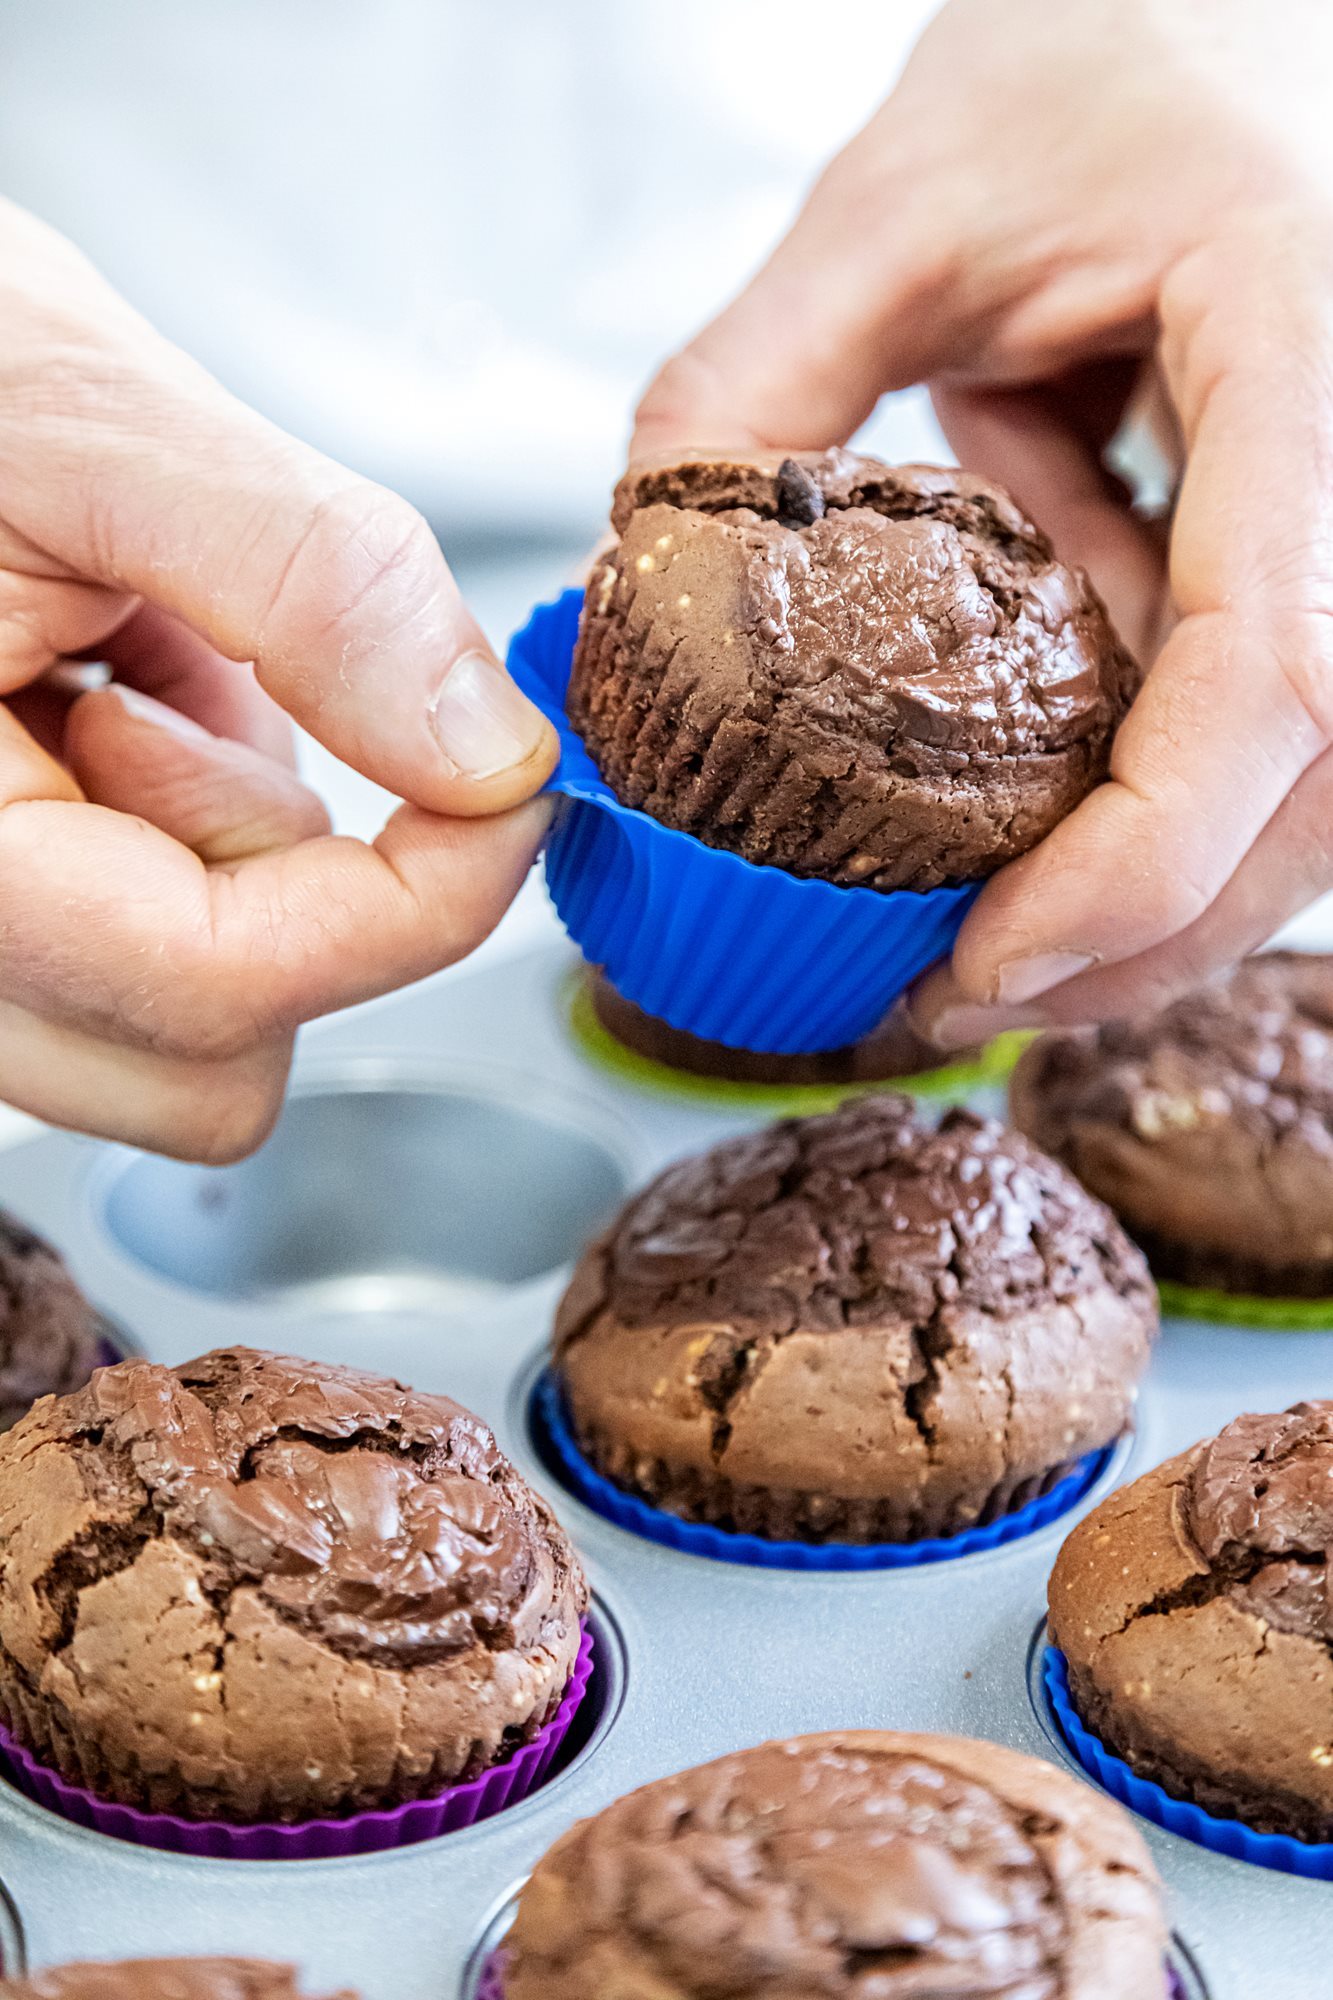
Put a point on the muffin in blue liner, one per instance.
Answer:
(1188, 1622)
(1313, 1859)
(748, 956)
(848, 1341)
(559, 1450)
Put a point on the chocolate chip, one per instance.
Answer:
(800, 496)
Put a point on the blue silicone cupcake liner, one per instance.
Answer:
(1221, 1836)
(751, 957)
(556, 1444)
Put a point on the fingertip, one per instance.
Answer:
(498, 748)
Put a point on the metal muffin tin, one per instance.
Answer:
(416, 1213)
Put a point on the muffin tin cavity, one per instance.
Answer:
(381, 1190)
(12, 1956)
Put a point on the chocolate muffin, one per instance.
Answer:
(846, 1864)
(893, 1051)
(161, 1979)
(48, 1330)
(877, 675)
(253, 1588)
(1193, 1607)
(1207, 1127)
(854, 1328)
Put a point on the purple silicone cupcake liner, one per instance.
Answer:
(491, 1985)
(316, 1839)
(749, 956)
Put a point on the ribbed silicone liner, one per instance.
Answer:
(777, 1100)
(491, 1984)
(1221, 1836)
(751, 957)
(317, 1839)
(1245, 1308)
(555, 1440)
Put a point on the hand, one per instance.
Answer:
(172, 904)
(1054, 200)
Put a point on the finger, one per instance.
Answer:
(44, 618)
(1290, 865)
(211, 1112)
(153, 948)
(163, 658)
(143, 474)
(223, 799)
(1240, 701)
(1044, 446)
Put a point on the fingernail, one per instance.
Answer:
(1024, 978)
(972, 1027)
(156, 713)
(484, 724)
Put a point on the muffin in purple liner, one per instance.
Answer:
(162, 1979)
(50, 1336)
(256, 1590)
(945, 1864)
(317, 1839)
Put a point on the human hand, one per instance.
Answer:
(1054, 200)
(172, 904)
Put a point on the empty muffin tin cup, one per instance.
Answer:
(556, 1446)
(13, 1958)
(1245, 1308)
(1313, 1859)
(458, 1806)
(751, 957)
(385, 1186)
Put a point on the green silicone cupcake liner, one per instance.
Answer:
(1245, 1308)
(780, 1100)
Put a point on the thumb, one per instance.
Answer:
(128, 465)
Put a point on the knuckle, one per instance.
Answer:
(1171, 902)
(361, 555)
(231, 1113)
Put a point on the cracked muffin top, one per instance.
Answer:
(877, 675)
(48, 1330)
(1194, 1610)
(276, 1586)
(1208, 1127)
(161, 1979)
(841, 1865)
(896, 1322)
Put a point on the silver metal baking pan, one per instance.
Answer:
(442, 1159)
